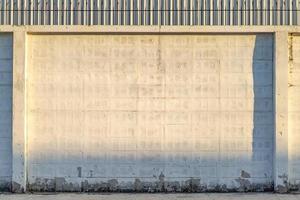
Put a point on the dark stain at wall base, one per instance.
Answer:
(5, 186)
(113, 185)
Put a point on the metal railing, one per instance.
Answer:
(149, 12)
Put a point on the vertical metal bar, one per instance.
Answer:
(290, 12)
(111, 12)
(199, 12)
(78, 12)
(258, 7)
(14, 18)
(140, 12)
(190, 12)
(219, 14)
(44, 13)
(59, 12)
(39, 12)
(131, 12)
(293, 12)
(48, 12)
(232, 12)
(1, 12)
(278, 12)
(35, 12)
(96, 12)
(73, 11)
(105, 12)
(263, 12)
(143, 12)
(99, 11)
(187, 5)
(11, 13)
(194, 14)
(271, 12)
(84, 12)
(282, 12)
(237, 13)
(31, 12)
(158, 12)
(204, 12)
(276, 15)
(210, 12)
(195, 5)
(185, 12)
(163, 4)
(135, 12)
(226, 11)
(286, 5)
(242, 12)
(167, 18)
(251, 12)
(257, 12)
(5, 12)
(120, 12)
(55, 12)
(92, 12)
(14, 14)
(88, 12)
(24, 12)
(298, 12)
(115, 16)
(149, 12)
(222, 12)
(51, 12)
(127, 14)
(65, 12)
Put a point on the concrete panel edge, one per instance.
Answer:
(19, 133)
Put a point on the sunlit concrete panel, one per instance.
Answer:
(150, 112)
(294, 111)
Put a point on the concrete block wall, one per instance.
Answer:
(153, 109)
(132, 108)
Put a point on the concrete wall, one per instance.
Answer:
(294, 109)
(154, 109)
(135, 108)
(5, 111)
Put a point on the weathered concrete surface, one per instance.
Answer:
(294, 111)
(59, 183)
(19, 116)
(281, 152)
(5, 110)
(150, 112)
(116, 196)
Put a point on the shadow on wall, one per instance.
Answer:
(239, 160)
(5, 111)
(263, 116)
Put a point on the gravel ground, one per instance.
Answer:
(131, 196)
